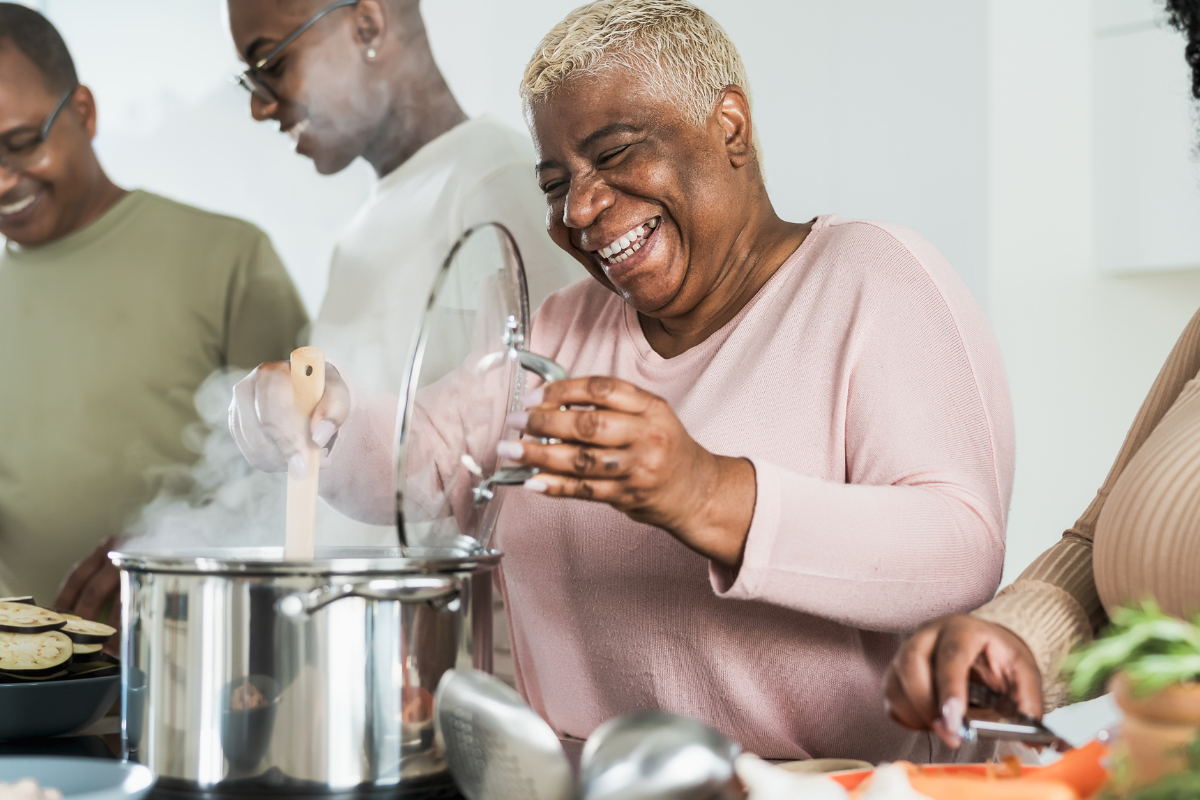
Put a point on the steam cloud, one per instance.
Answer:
(220, 501)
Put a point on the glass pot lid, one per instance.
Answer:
(465, 375)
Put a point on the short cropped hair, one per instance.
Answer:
(41, 43)
(682, 52)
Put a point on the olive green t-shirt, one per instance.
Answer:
(105, 336)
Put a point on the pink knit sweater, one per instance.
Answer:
(865, 385)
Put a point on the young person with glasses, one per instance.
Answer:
(114, 306)
(357, 79)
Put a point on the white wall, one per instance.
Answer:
(1081, 348)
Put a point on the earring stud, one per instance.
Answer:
(371, 53)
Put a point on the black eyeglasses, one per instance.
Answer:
(252, 81)
(19, 153)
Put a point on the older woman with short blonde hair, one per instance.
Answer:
(795, 444)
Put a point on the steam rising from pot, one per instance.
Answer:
(220, 500)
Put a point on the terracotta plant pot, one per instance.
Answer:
(1157, 727)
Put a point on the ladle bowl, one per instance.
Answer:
(655, 755)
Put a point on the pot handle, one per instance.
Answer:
(438, 589)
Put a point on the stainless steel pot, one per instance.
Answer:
(247, 673)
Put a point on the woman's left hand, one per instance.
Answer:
(629, 450)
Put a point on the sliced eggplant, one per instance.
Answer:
(26, 599)
(24, 618)
(83, 631)
(92, 669)
(84, 653)
(36, 654)
(17, 677)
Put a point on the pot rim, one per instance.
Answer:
(336, 561)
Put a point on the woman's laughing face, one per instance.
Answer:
(638, 192)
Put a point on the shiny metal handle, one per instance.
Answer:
(438, 589)
(508, 476)
(542, 366)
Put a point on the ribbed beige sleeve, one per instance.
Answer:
(1054, 604)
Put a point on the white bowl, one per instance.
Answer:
(81, 778)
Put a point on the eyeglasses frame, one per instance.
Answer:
(44, 131)
(248, 79)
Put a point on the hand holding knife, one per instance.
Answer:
(1012, 725)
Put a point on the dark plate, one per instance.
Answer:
(50, 708)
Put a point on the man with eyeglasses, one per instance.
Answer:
(357, 78)
(115, 306)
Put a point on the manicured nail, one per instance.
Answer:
(534, 485)
(510, 449)
(518, 420)
(534, 398)
(952, 716)
(299, 468)
(323, 432)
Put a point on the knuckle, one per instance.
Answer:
(657, 439)
(652, 463)
(588, 423)
(611, 463)
(584, 460)
(639, 496)
(601, 386)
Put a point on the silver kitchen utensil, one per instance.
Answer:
(655, 755)
(497, 747)
(1011, 725)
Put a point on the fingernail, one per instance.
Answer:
(323, 432)
(952, 715)
(510, 449)
(299, 468)
(518, 420)
(534, 485)
(949, 737)
(534, 398)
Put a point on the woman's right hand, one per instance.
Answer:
(264, 422)
(926, 684)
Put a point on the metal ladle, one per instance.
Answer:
(655, 755)
(497, 747)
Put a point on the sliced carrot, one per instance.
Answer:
(954, 787)
(1081, 769)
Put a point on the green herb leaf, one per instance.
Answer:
(1155, 650)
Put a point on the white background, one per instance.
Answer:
(968, 120)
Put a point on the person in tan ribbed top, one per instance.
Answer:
(1139, 538)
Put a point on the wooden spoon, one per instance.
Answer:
(308, 385)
